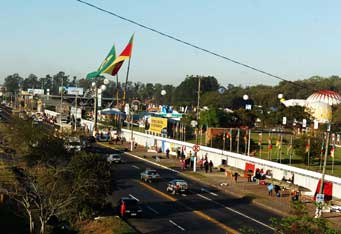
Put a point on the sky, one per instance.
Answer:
(292, 39)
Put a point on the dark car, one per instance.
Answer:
(132, 207)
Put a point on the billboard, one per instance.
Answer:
(36, 91)
(157, 124)
(74, 91)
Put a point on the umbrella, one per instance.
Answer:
(326, 96)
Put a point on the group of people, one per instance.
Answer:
(203, 162)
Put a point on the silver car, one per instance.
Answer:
(114, 158)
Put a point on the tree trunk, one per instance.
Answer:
(42, 226)
(30, 221)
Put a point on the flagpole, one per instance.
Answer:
(125, 86)
(117, 90)
(308, 152)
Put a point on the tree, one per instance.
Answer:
(12, 83)
(187, 92)
(302, 222)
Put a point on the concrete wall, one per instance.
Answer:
(304, 178)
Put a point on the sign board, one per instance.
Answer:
(196, 148)
(284, 120)
(36, 91)
(316, 124)
(75, 91)
(157, 124)
(319, 197)
(77, 113)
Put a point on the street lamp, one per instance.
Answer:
(98, 91)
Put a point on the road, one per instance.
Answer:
(203, 210)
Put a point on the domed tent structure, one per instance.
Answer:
(326, 96)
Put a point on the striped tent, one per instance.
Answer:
(326, 96)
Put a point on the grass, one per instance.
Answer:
(106, 225)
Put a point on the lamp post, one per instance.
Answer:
(98, 91)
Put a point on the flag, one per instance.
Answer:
(332, 151)
(260, 139)
(307, 147)
(115, 66)
(104, 65)
(269, 143)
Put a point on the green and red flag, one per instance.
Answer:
(115, 66)
(104, 65)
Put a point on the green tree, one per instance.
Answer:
(12, 83)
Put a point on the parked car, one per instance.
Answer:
(114, 158)
(177, 186)
(150, 175)
(128, 206)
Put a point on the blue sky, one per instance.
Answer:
(293, 39)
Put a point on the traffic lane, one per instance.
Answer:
(240, 207)
(161, 215)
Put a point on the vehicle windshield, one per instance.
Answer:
(74, 143)
(152, 172)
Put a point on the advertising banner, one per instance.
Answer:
(74, 91)
(36, 91)
(157, 124)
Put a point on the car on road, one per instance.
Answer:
(128, 206)
(150, 175)
(177, 186)
(114, 158)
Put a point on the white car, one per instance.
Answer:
(114, 158)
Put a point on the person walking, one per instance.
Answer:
(235, 175)
(206, 166)
(167, 153)
(270, 188)
(211, 165)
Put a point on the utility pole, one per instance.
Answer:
(198, 106)
(95, 107)
(321, 191)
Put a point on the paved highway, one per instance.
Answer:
(203, 210)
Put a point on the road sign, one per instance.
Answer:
(196, 148)
(319, 197)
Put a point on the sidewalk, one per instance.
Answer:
(257, 194)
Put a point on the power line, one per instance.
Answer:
(193, 45)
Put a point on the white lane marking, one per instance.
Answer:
(149, 208)
(134, 197)
(184, 195)
(207, 191)
(246, 216)
(135, 166)
(156, 164)
(176, 225)
(202, 196)
(170, 169)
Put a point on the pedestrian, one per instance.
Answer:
(235, 175)
(178, 154)
(206, 166)
(249, 175)
(270, 188)
(183, 164)
(211, 165)
(167, 153)
(277, 190)
(123, 209)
